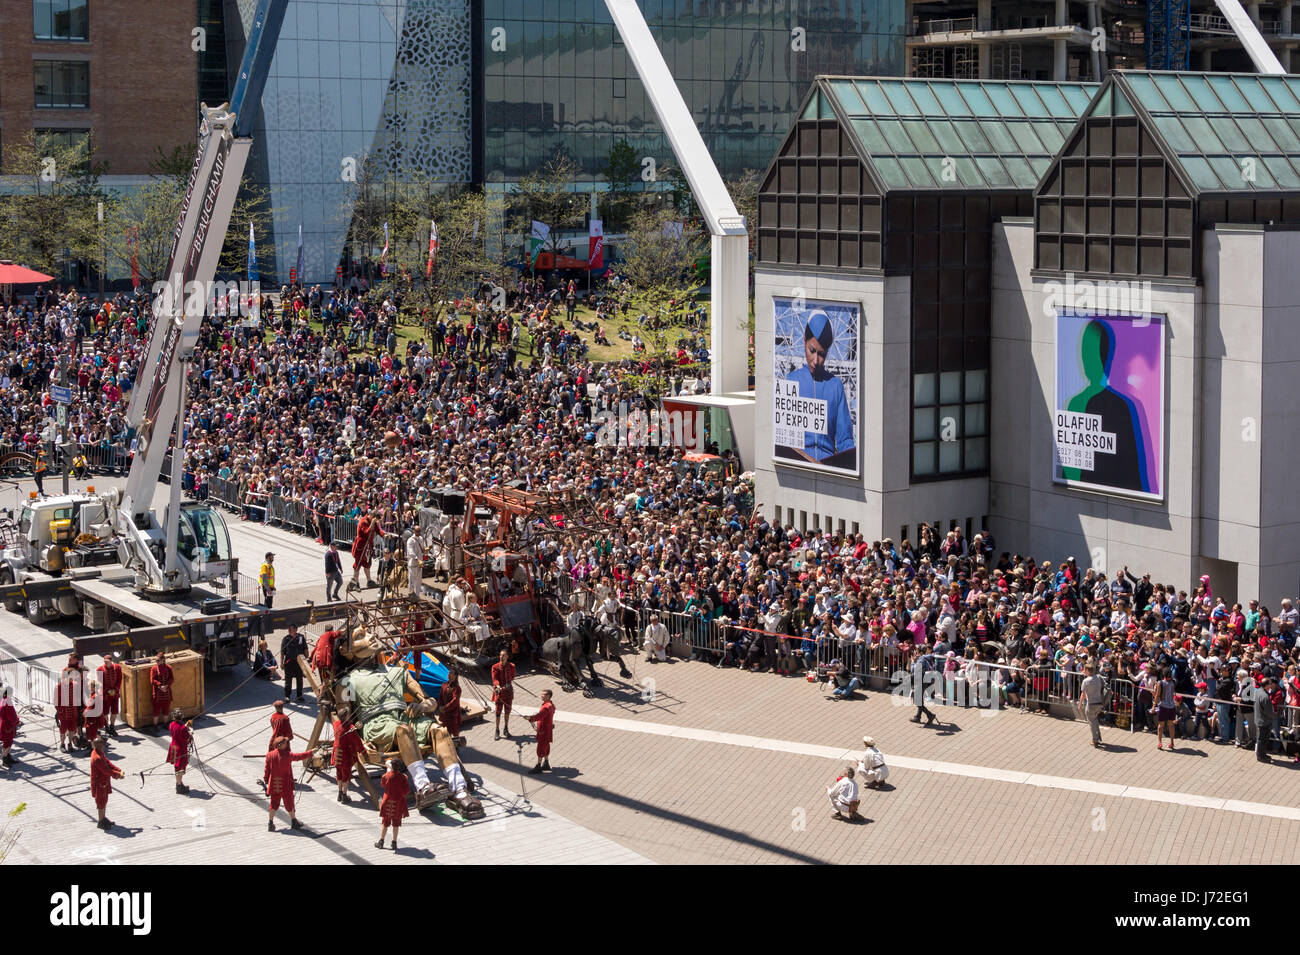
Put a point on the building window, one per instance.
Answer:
(949, 423)
(62, 84)
(66, 138)
(60, 20)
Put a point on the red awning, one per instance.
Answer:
(11, 274)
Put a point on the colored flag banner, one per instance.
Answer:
(383, 256)
(433, 247)
(541, 232)
(297, 272)
(596, 245)
(252, 255)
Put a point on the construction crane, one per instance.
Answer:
(157, 406)
(111, 554)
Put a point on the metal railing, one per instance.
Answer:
(958, 25)
(33, 686)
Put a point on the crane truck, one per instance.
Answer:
(111, 557)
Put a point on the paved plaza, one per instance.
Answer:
(683, 763)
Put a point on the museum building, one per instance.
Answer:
(1069, 313)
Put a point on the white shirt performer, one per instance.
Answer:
(844, 795)
(414, 563)
(609, 612)
(656, 640)
(871, 767)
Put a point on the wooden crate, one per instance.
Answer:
(187, 689)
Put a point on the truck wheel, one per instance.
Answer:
(15, 605)
(34, 612)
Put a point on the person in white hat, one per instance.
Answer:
(871, 767)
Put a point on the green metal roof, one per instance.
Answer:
(1231, 132)
(931, 134)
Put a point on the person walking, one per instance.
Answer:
(266, 578)
(919, 669)
(279, 781)
(1264, 712)
(333, 573)
(292, 647)
(392, 806)
(544, 723)
(102, 773)
(1092, 701)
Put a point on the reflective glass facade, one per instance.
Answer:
(555, 73)
(483, 90)
(349, 79)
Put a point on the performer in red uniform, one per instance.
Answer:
(9, 723)
(110, 685)
(363, 546)
(392, 807)
(449, 710)
(544, 722)
(178, 753)
(503, 690)
(279, 727)
(69, 699)
(279, 785)
(93, 716)
(102, 774)
(322, 655)
(347, 747)
(161, 679)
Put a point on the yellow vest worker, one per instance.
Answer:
(266, 577)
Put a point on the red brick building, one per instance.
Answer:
(124, 69)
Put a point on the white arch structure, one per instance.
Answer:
(729, 345)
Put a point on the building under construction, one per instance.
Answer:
(1069, 40)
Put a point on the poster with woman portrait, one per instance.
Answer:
(817, 370)
(1109, 419)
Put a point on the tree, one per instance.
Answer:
(658, 279)
(464, 257)
(252, 207)
(51, 215)
(545, 195)
(145, 216)
(623, 171)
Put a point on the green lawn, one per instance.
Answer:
(617, 349)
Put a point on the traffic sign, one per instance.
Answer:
(61, 394)
(62, 411)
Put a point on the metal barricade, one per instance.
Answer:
(345, 531)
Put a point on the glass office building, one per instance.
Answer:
(480, 91)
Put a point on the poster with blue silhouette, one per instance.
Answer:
(1109, 421)
(817, 369)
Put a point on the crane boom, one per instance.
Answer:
(179, 307)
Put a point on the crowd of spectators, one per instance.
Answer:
(325, 402)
